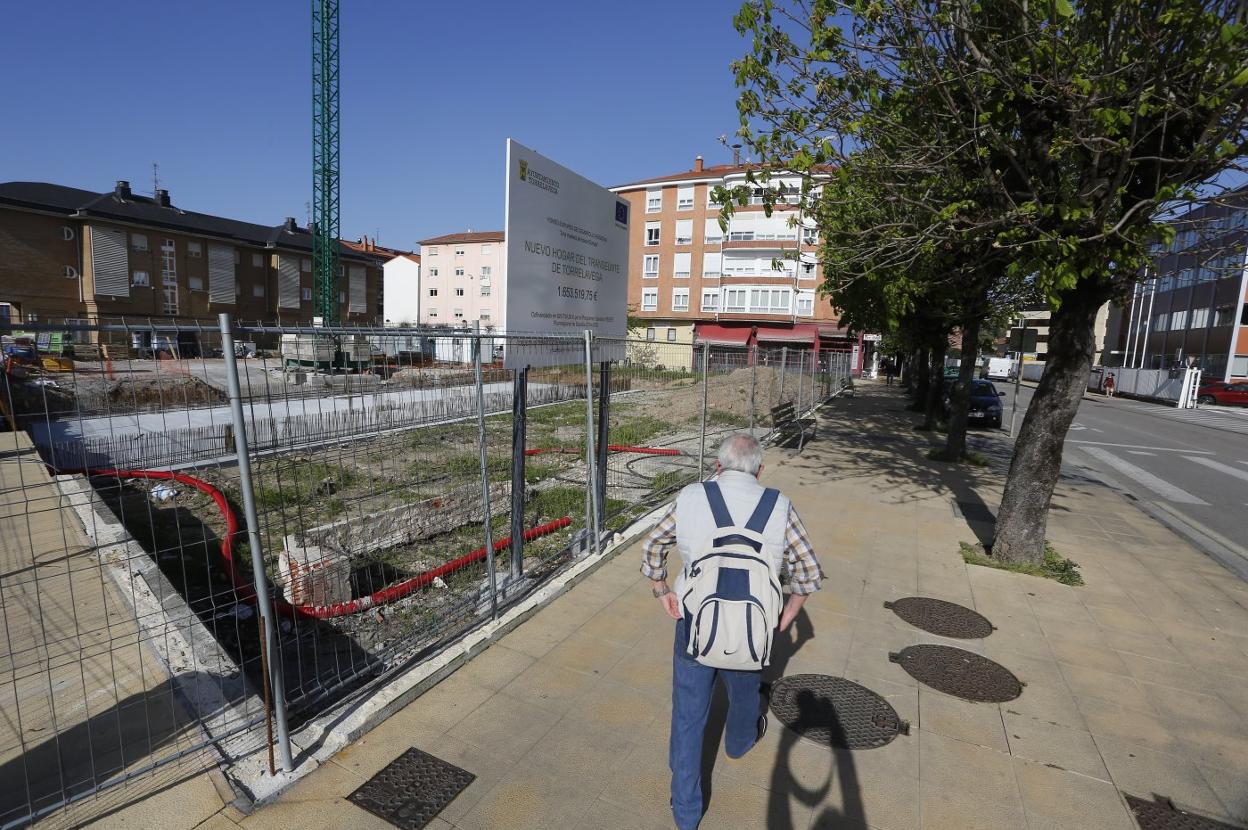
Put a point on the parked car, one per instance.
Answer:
(984, 406)
(1224, 393)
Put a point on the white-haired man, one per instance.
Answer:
(690, 525)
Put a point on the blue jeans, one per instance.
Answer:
(692, 687)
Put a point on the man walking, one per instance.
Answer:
(691, 525)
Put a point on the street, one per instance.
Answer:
(1188, 467)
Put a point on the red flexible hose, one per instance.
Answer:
(341, 609)
(610, 447)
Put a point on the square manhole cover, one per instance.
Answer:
(411, 789)
(1160, 814)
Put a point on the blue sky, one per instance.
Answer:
(219, 93)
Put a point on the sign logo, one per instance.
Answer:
(621, 212)
(524, 170)
(537, 178)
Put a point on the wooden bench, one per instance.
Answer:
(789, 427)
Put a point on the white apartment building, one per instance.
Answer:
(462, 281)
(401, 290)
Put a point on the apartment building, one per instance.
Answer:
(68, 254)
(692, 281)
(462, 280)
(1192, 306)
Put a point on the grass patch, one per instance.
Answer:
(667, 480)
(636, 431)
(1054, 566)
(720, 418)
(973, 458)
(300, 485)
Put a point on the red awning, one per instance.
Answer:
(716, 335)
(797, 334)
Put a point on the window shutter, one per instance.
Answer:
(110, 262)
(287, 281)
(357, 302)
(711, 264)
(221, 274)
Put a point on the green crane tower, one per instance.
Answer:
(325, 167)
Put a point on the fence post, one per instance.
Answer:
(485, 472)
(519, 429)
(270, 629)
(604, 429)
(814, 378)
(801, 377)
(706, 351)
(784, 364)
(753, 354)
(591, 479)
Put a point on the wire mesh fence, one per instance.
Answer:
(403, 487)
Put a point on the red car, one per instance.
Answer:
(1235, 392)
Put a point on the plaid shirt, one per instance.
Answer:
(799, 555)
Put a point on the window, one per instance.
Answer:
(67, 233)
(650, 266)
(684, 197)
(710, 299)
(485, 289)
(433, 272)
(1222, 316)
(305, 265)
(459, 292)
(140, 278)
(486, 272)
(238, 288)
(671, 335)
(257, 290)
(652, 233)
(711, 263)
(735, 298)
(1200, 318)
(433, 312)
(1239, 363)
(766, 300)
(710, 196)
(1178, 320)
(714, 234)
(1161, 321)
(649, 299)
(684, 232)
(433, 251)
(680, 267)
(138, 241)
(654, 201)
(238, 257)
(257, 260)
(459, 314)
(459, 272)
(810, 236)
(433, 292)
(805, 303)
(305, 294)
(680, 299)
(70, 272)
(459, 252)
(487, 249)
(1243, 315)
(650, 333)
(342, 297)
(195, 283)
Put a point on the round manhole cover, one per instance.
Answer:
(948, 619)
(835, 711)
(958, 672)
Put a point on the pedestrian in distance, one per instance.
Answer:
(1109, 385)
(727, 603)
(889, 371)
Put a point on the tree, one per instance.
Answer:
(1068, 127)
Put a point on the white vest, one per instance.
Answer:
(695, 526)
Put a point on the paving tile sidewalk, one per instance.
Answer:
(1137, 681)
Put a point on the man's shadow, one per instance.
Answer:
(784, 787)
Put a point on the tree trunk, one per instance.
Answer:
(922, 380)
(935, 383)
(1037, 460)
(960, 398)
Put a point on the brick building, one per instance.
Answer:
(690, 281)
(71, 254)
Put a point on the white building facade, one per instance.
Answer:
(401, 291)
(462, 280)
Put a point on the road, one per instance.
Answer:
(1188, 468)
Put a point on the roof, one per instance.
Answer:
(144, 210)
(466, 236)
(715, 171)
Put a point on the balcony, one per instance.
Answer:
(760, 243)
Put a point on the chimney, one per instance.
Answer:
(736, 155)
(697, 165)
(162, 198)
(122, 190)
(291, 225)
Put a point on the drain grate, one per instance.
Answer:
(958, 672)
(411, 789)
(1163, 815)
(948, 619)
(835, 711)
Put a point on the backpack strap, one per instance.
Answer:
(762, 513)
(719, 508)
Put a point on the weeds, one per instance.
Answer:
(1054, 566)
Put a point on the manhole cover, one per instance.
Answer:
(948, 619)
(835, 711)
(958, 672)
(1162, 815)
(411, 789)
